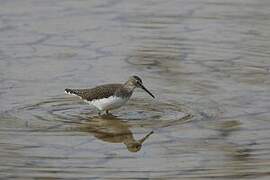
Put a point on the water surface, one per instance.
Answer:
(207, 62)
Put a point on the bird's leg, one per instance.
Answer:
(107, 112)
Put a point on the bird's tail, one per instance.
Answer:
(72, 91)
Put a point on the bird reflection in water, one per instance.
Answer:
(111, 129)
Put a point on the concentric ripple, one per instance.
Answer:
(71, 110)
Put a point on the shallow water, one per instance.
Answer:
(207, 62)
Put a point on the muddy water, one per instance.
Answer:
(206, 61)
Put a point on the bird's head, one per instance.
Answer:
(136, 82)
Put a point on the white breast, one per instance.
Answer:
(109, 103)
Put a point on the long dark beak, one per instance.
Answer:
(144, 138)
(147, 91)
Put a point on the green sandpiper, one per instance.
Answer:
(109, 96)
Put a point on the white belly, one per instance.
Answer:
(109, 103)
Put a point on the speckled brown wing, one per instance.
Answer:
(99, 92)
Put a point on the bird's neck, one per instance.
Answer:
(125, 91)
(129, 87)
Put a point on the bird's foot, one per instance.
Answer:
(107, 113)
